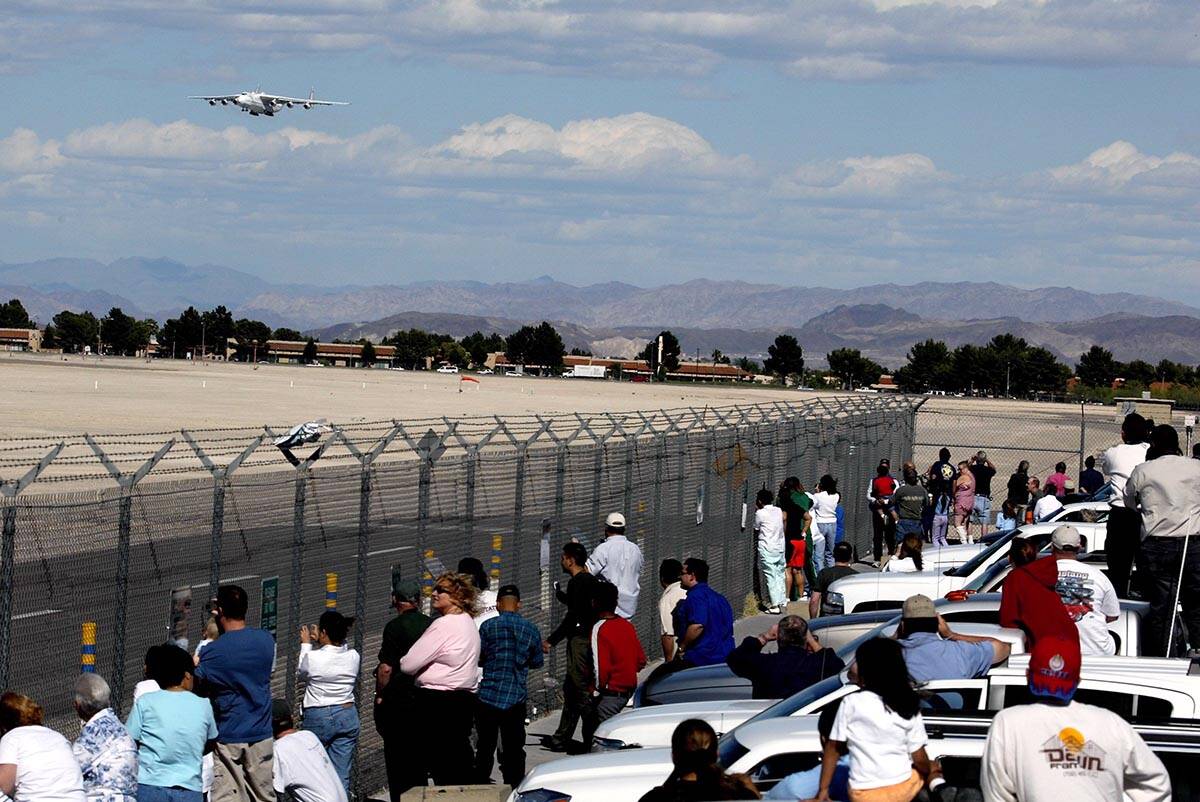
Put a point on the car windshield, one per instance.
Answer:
(788, 706)
(984, 557)
(847, 651)
(984, 581)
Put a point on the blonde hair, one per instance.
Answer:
(17, 710)
(462, 590)
(211, 632)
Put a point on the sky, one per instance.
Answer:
(817, 142)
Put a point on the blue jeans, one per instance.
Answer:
(336, 727)
(156, 793)
(817, 559)
(829, 530)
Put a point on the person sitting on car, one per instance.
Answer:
(933, 651)
(799, 663)
(697, 776)
(806, 784)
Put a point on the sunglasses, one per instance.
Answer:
(440, 589)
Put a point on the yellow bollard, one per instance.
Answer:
(497, 548)
(331, 591)
(87, 648)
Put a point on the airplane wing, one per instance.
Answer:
(212, 97)
(300, 101)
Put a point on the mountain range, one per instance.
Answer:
(615, 318)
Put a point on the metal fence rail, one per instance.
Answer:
(120, 530)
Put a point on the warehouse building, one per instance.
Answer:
(290, 352)
(20, 340)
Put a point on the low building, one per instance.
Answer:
(630, 368)
(20, 340)
(291, 352)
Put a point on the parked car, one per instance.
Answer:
(884, 591)
(447, 369)
(1079, 512)
(484, 372)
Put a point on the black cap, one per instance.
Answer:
(509, 590)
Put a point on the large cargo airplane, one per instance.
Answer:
(260, 103)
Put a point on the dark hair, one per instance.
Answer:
(1051, 489)
(174, 665)
(1023, 466)
(697, 568)
(881, 670)
(694, 749)
(843, 552)
(911, 547)
(473, 567)
(793, 630)
(335, 625)
(18, 710)
(791, 483)
(826, 718)
(1196, 450)
(1021, 552)
(828, 484)
(882, 470)
(1060, 467)
(911, 477)
(944, 454)
(1133, 429)
(281, 716)
(764, 497)
(232, 601)
(669, 570)
(576, 551)
(1164, 441)
(1090, 462)
(154, 659)
(605, 596)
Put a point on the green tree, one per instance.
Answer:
(1096, 368)
(1139, 371)
(970, 367)
(251, 337)
(14, 316)
(749, 365)
(581, 352)
(539, 345)
(181, 336)
(310, 351)
(852, 368)
(368, 353)
(74, 330)
(519, 347)
(50, 337)
(930, 367)
(785, 358)
(670, 355)
(288, 335)
(219, 329)
(1043, 373)
(720, 358)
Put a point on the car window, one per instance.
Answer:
(1181, 766)
(1126, 705)
(984, 557)
(972, 616)
(945, 699)
(729, 751)
(766, 775)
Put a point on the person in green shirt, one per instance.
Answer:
(394, 691)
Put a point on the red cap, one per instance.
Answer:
(1054, 667)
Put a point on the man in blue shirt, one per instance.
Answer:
(932, 651)
(235, 672)
(703, 620)
(509, 646)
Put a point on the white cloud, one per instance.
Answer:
(24, 152)
(1121, 163)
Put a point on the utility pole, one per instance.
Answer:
(203, 327)
(1007, 379)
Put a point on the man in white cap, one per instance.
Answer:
(1086, 593)
(618, 561)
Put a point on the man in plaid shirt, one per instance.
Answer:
(509, 646)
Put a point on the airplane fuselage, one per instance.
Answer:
(256, 104)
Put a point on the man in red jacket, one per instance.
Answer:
(1031, 603)
(617, 657)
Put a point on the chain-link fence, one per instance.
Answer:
(140, 529)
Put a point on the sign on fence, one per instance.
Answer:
(269, 613)
(177, 622)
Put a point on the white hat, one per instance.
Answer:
(615, 520)
(1066, 537)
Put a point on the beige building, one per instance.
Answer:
(345, 354)
(20, 340)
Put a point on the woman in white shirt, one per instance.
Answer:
(485, 598)
(331, 672)
(908, 559)
(824, 513)
(881, 728)
(36, 763)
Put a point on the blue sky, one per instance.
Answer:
(830, 142)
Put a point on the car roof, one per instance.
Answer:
(654, 762)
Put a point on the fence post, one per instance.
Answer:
(10, 489)
(1082, 436)
(298, 504)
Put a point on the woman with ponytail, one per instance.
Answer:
(697, 777)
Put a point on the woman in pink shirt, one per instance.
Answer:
(1059, 478)
(445, 665)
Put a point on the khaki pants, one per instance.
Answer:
(243, 772)
(901, 792)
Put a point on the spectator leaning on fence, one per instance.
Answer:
(509, 645)
(799, 662)
(235, 672)
(1165, 489)
(173, 728)
(619, 561)
(769, 531)
(107, 755)
(331, 671)
(302, 770)
(445, 663)
(576, 629)
(36, 763)
(396, 717)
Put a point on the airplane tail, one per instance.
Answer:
(312, 93)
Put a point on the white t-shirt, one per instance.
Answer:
(896, 565)
(331, 673)
(485, 604)
(144, 687)
(768, 525)
(1119, 462)
(1090, 600)
(825, 506)
(1078, 752)
(879, 740)
(672, 595)
(1045, 507)
(302, 766)
(46, 767)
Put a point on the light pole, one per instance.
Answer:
(1007, 379)
(203, 327)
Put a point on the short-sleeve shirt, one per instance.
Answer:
(930, 657)
(880, 741)
(107, 756)
(983, 479)
(830, 575)
(1089, 598)
(768, 525)
(237, 670)
(46, 769)
(671, 596)
(706, 607)
(171, 728)
(398, 637)
(910, 501)
(302, 766)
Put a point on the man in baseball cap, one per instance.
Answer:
(933, 651)
(1087, 594)
(395, 691)
(1057, 748)
(619, 561)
